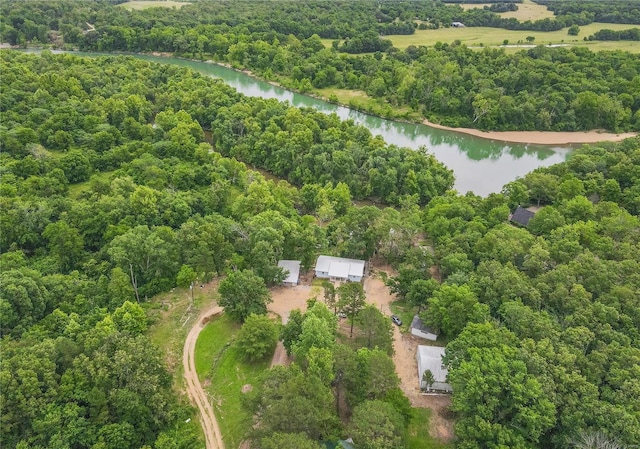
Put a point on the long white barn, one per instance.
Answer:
(340, 269)
(430, 358)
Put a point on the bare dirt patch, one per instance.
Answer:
(405, 346)
(286, 299)
(194, 388)
(152, 4)
(280, 356)
(540, 137)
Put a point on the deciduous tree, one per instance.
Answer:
(257, 338)
(243, 293)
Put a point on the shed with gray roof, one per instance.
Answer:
(419, 329)
(521, 216)
(292, 269)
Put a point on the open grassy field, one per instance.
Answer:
(140, 4)
(75, 190)
(359, 100)
(418, 432)
(171, 316)
(224, 374)
(484, 36)
(527, 10)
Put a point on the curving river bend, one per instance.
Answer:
(480, 165)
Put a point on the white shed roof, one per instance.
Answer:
(293, 267)
(430, 358)
(346, 267)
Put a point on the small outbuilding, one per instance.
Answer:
(419, 329)
(292, 270)
(339, 269)
(430, 358)
(521, 216)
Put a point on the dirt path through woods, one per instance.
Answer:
(405, 346)
(194, 388)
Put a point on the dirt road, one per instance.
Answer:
(405, 346)
(286, 299)
(194, 388)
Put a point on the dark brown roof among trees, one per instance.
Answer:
(522, 216)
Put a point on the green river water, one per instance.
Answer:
(480, 165)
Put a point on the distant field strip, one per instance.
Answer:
(152, 4)
(477, 36)
(526, 11)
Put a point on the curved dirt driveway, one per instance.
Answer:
(194, 388)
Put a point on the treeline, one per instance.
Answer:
(338, 20)
(543, 320)
(502, 7)
(609, 12)
(540, 89)
(43, 22)
(632, 34)
(110, 194)
(493, 2)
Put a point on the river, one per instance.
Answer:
(480, 165)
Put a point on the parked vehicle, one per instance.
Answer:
(396, 320)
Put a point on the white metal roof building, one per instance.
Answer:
(339, 268)
(292, 268)
(430, 358)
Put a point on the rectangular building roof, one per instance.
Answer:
(346, 267)
(521, 216)
(417, 323)
(430, 358)
(293, 268)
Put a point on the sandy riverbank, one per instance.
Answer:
(540, 137)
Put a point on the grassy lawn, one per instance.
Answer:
(171, 319)
(75, 190)
(359, 100)
(218, 363)
(152, 4)
(418, 432)
(212, 341)
(405, 311)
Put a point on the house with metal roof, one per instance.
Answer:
(292, 270)
(521, 216)
(339, 269)
(430, 358)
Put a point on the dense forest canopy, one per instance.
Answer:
(122, 178)
(110, 194)
(556, 89)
